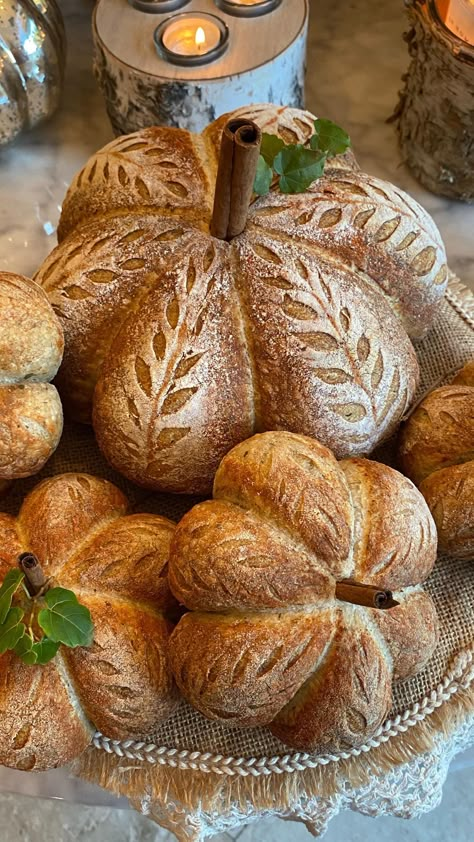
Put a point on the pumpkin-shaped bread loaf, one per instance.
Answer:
(183, 344)
(268, 641)
(116, 564)
(31, 348)
(437, 452)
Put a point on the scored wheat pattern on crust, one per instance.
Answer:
(167, 358)
(341, 342)
(363, 226)
(117, 165)
(342, 211)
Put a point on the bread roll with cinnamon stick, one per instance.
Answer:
(303, 576)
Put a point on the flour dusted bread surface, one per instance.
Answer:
(437, 451)
(31, 347)
(267, 642)
(179, 345)
(116, 564)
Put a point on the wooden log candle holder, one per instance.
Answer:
(435, 114)
(260, 57)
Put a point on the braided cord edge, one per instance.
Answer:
(460, 677)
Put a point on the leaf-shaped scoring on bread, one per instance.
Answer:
(246, 562)
(117, 565)
(245, 668)
(382, 554)
(110, 268)
(343, 369)
(149, 168)
(358, 219)
(265, 572)
(168, 357)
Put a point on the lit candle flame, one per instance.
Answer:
(200, 38)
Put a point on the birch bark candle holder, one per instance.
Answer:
(185, 62)
(436, 110)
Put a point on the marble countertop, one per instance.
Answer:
(355, 61)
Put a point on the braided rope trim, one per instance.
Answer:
(458, 305)
(460, 677)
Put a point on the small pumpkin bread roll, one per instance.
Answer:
(269, 570)
(437, 452)
(31, 349)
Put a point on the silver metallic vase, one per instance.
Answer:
(32, 56)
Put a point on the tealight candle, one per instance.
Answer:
(158, 7)
(191, 40)
(247, 8)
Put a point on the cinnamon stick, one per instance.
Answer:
(35, 578)
(240, 150)
(367, 595)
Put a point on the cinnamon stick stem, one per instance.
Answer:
(367, 595)
(35, 578)
(240, 150)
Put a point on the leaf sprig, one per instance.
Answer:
(296, 165)
(57, 613)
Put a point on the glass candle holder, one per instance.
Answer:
(247, 8)
(191, 39)
(158, 7)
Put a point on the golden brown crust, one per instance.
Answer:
(163, 168)
(31, 339)
(357, 220)
(411, 631)
(116, 565)
(10, 543)
(466, 376)
(436, 449)
(323, 366)
(128, 557)
(41, 725)
(123, 680)
(31, 424)
(439, 433)
(295, 317)
(394, 532)
(294, 483)
(338, 707)
(450, 496)
(31, 347)
(61, 511)
(243, 669)
(231, 559)
(263, 559)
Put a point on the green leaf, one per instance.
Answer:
(11, 630)
(298, 167)
(45, 650)
(329, 138)
(24, 650)
(271, 146)
(263, 178)
(10, 584)
(65, 620)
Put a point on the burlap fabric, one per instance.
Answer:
(449, 345)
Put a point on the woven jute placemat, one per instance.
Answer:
(192, 760)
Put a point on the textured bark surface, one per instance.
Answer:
(436, 110)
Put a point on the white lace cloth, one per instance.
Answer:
(406, 792)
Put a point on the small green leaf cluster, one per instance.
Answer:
(57, 613)
(297, 166)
